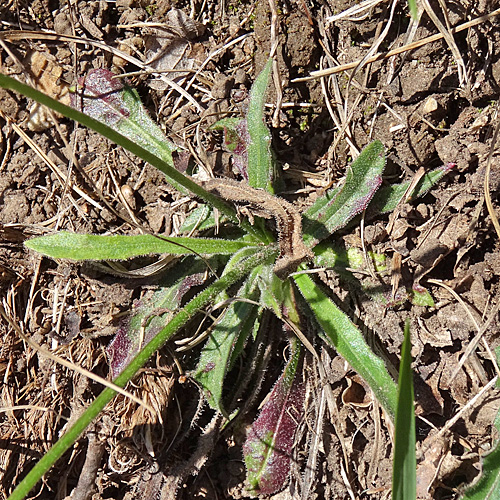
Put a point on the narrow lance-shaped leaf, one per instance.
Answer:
(388, 197)
(173, 176)
(150, 316)
(108, 99)
(173, 326)
(73, 246)
(404, 471)
(216, 357)
(198, 219)
(342, 334)
(343, 261)
(273, 291)
(260, 160)
(268, 447)
(337, 207)
(487, 485)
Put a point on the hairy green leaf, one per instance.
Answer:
(260, 160)
(421, 297)
(73, 246)
(198, 219)
(180, 319)
(174, 177)
(108, 99)
(388, 197)
(487, 485)
(338, 206)
(341, 333)
(216, 359)
(150, 316)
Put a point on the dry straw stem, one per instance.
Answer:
(450, 423)
(28, 407)
(349, 14)
(346, 115)
(50, 35)
(61, 176)
(69, 365)
(487, 195)
(114, 267)
(376, 44)
(336, 119)
(276, 71)
(480, 329)
(399, 50)
(309, 477)
(443, 433)
(446, 32)
(472, 345)
(228, 44)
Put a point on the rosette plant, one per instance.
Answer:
(249, 273)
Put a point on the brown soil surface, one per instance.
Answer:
(426, 106)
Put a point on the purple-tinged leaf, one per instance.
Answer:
(231, 139)
(420, 296)
(249, 139)
(228, 335)
(181, 160)
(150, 317)
(101, 97)
(230, 127)
(240, 152)
(111, 101)
(236, 140)
(268, 447)
(338, 206)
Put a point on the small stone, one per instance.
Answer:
(430, 106)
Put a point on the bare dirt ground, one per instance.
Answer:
(429, 106)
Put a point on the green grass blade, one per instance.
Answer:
(177, 322)
(349, 342)
(260, 160)
(65, 245)
(412, 5)
(174, 177)
(404, 471)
